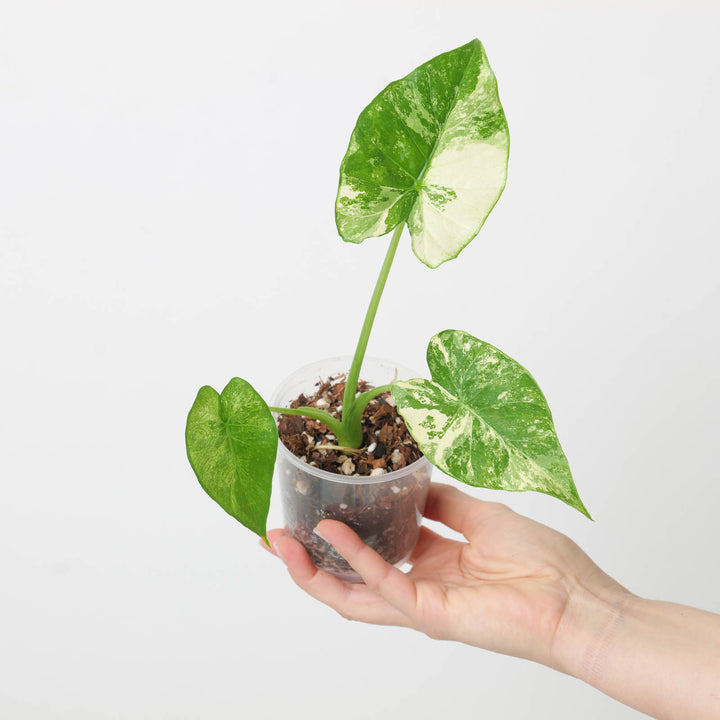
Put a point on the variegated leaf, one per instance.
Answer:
(231, 443)
(483, 420)
(432, 150)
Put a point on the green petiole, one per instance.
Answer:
(333, 424)
(351, 434)
(348, 430)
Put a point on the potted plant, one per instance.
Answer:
(428, 153)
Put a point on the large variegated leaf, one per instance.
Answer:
(483, 420)
(432, 150)
(231, 443)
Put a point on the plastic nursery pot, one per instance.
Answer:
(384, 510)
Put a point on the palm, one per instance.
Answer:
(460, 585)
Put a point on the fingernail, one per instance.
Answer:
(276, 550)
(318, 532)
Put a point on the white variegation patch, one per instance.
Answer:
(476, 172)
(457, 434)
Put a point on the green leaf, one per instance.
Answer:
(432, 150)
(483, 420)
(231, 443)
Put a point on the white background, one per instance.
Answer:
(167, 181)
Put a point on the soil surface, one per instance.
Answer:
(387, 443)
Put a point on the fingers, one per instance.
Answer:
(458, 511)
(301, 568)
(389, 582)
(354, 602)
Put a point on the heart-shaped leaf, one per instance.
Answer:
(483, 420)
(231, 444)
(430, 149)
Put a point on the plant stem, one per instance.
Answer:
(351, 428)
(361, 401)
(333, 424)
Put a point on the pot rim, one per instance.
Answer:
(285, 454)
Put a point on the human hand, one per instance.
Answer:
(507, 589)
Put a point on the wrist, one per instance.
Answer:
(594, 614)
(658, 657)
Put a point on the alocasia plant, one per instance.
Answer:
(429, 153)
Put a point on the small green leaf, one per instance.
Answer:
(432, 150)
(483, 420)
(231, 444)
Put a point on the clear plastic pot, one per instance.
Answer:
(384, 510)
